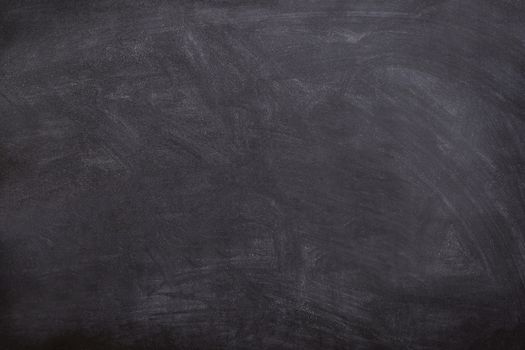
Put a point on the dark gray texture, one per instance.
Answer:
(262, 174)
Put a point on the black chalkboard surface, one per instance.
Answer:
(262, 174)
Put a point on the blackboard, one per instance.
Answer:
(262, 174)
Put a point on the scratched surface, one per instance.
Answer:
(262, 174)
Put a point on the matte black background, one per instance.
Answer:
(262, 174)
